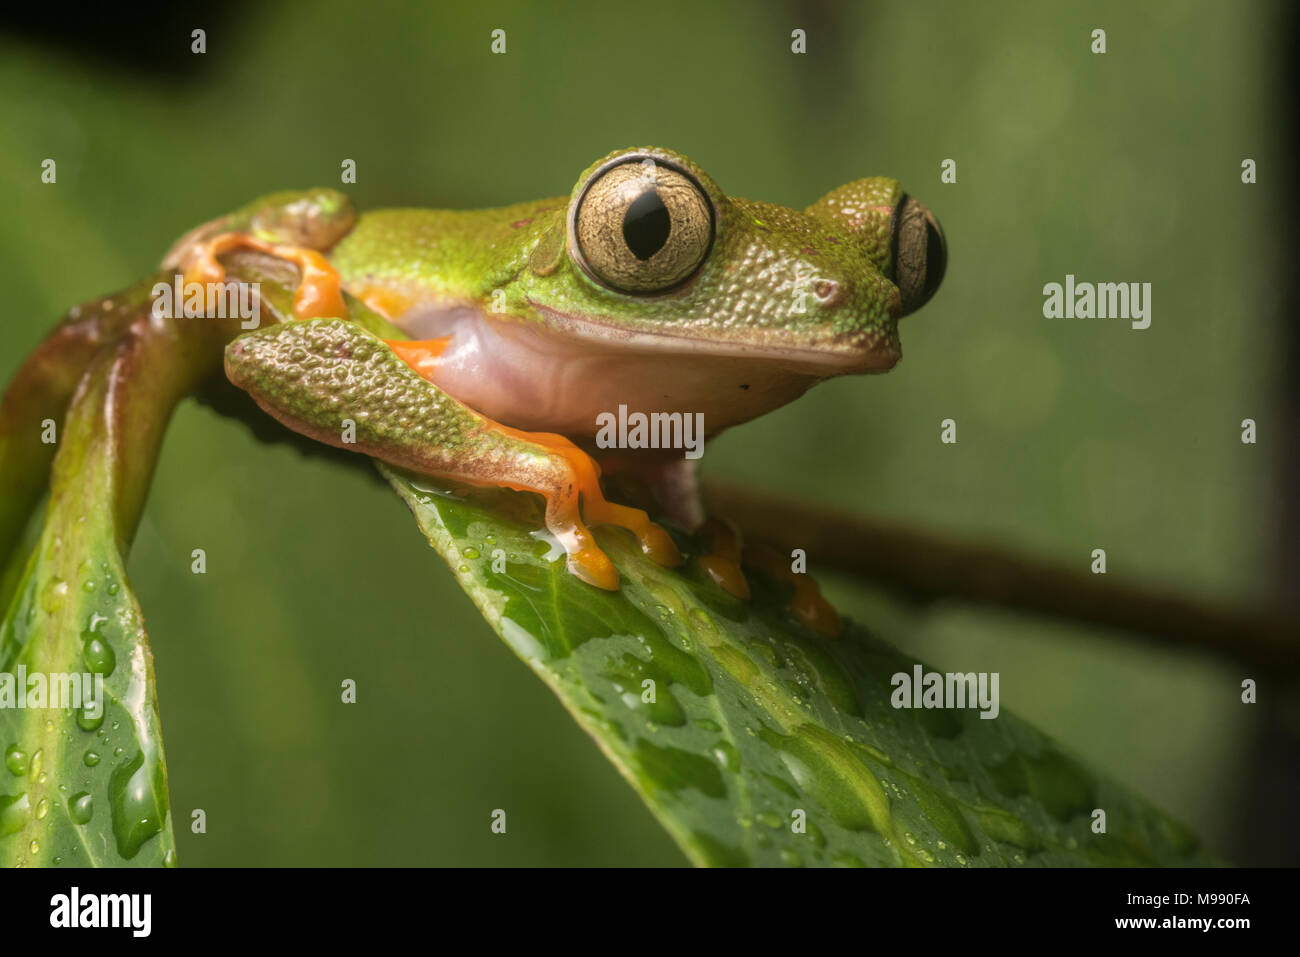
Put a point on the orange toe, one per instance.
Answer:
(807, 602)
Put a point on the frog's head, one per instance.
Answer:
(655, 256)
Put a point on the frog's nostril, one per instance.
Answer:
(920, 253)
(827, 291)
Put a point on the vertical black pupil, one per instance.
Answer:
(646, 225)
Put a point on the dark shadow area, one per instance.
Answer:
(1269, 833)
(152, 39)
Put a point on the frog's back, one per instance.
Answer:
(457, 253)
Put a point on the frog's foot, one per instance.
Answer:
(295, 226)
(807, 602)
(571, 486)
(722, 562)
(319, 293)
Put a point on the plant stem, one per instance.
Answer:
(927, 567)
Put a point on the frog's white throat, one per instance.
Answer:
(544, 378)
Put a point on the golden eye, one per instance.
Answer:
(641, 226)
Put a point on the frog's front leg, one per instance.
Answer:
(336, 382)
(294, 226)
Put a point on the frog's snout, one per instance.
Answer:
(920, 253)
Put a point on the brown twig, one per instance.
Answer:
(927, 567)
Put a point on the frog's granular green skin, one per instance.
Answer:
(318, 376)
(857, 207)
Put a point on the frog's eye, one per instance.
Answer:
(641, 226)
(920, 253)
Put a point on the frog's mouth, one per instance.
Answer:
(829, 354)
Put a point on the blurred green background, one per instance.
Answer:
(1072, 435)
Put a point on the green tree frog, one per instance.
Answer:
(647, 288)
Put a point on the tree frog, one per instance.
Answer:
(646, 287)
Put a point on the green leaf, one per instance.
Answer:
(85, 782)
(82, 786)
(88, 785)
(755, 742)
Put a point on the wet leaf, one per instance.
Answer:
(755, 742)
(84, 781)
